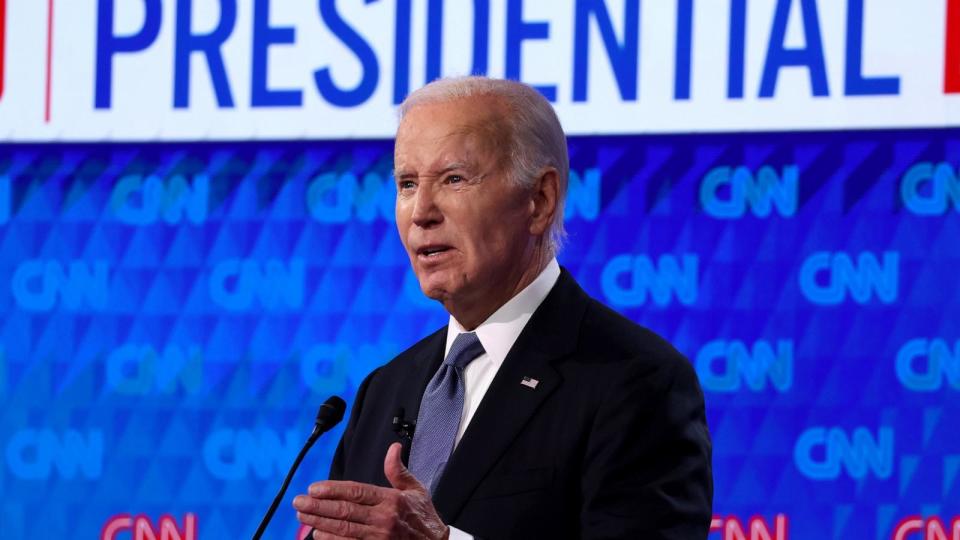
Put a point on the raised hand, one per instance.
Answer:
(341, 509)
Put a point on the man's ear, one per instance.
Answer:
(544, 200)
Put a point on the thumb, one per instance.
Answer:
(397, 474)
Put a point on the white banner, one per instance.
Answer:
(91, 70)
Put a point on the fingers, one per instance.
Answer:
(324, 535)
(349, 519)
(353, 509)
(334, 518)
(319, 535)
(327, 528)
(346, 491)
(397, 474)
(342, 510)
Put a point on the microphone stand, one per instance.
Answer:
(331, 412)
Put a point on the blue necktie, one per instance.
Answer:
(440, 410)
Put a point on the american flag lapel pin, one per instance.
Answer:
(529, 382)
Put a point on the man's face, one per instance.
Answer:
(464, 223)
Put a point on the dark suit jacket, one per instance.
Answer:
(612, 443)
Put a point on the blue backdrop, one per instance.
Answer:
(173, 314)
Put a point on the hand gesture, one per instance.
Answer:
(340, 509)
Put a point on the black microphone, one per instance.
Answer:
(404, 430)
(329, 415)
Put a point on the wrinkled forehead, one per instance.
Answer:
(470, 128)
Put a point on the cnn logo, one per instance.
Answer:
(142, 528)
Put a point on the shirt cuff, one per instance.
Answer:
(457, 534)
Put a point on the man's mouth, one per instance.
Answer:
(432, 251)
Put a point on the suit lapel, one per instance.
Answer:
(428, 358)
(505, 409)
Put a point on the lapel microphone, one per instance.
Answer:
(404, 430)
(329, 415)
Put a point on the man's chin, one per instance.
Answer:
(436, 287)
(434, 292)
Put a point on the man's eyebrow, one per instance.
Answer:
(457, 165)
(453, 167)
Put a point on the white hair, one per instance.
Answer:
(534, 136)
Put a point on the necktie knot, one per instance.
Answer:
(466, 347)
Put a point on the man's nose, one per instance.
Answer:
(426, 212)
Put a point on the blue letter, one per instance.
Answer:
(109, 44)
(368, 61)
(803, 454)
(855, 83)
(519, 31)
(738, 37)
(911, 378)
(265, 35)
(209, 45)
(401, 52)
(811, 55)
(623, 58)
(681, 78)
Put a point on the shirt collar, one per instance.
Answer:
(498, 333)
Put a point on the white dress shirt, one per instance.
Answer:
(497, 334)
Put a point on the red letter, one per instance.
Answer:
(935, 529)
(143, 529)
(760, 531)
(115, 524)
(906, 526)
(170, 531)
(733, 529)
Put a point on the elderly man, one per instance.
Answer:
(540, 412)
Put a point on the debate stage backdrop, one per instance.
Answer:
(183, 283)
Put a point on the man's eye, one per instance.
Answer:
(455, 178)
(406, 184)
